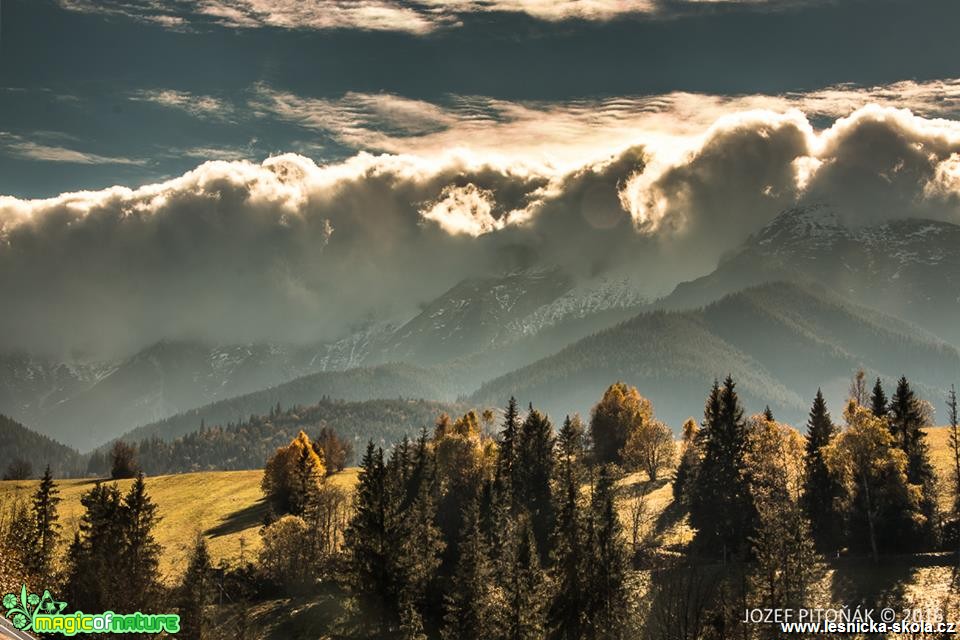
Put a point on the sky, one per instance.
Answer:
(287, 170)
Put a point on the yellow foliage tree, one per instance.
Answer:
(293, 476)
(621, 411)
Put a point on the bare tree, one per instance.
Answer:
(858, 387)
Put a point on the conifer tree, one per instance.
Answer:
(533, 475)
(195, 591)
(605, 602)
(366, 535)
(720, 505)
(689, 459)
(140, 558)
(473, 603)
(821, 490)
(878, 400)
(768, 414)
(44, 530)
(523, 586)
(565, 616)
(94, 584)
(954, 442)
(907, 420)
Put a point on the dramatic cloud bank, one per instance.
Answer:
(417, 17)
(291, 251)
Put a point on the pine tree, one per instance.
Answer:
(141, 553)
(878, 400)
(605, 603)
(768, 414)
(720, 505)
(533, 474)
(366, 535)
(689, 459)
(821, 490)
(907, 421)
(472, 603)
(44, 531)
(565, 616)
(507, 450)
(194, 593)
(523, 586)
(94, 583)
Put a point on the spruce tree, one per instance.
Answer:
(689, 459)
(141, 553)
(768, 414)
(878, 400)
(44, 531)
(605, 603)
(565, 616)
(533, 474)
(821, 489)
(720, 505)
(366, 535)
(473, 603)
(907, 421)
(94, 583)
(195, 591)
(523, 586)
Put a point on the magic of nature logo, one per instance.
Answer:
(44, 614)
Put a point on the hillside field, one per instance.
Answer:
(226, 506)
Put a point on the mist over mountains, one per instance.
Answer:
(801, 303)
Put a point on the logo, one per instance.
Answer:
(44, 614)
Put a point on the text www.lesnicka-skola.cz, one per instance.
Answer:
(853, 620)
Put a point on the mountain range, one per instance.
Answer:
(803, 302)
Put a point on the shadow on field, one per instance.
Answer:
(240, 520)
(860, 581)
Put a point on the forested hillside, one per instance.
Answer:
(781, 341)
(20, 444)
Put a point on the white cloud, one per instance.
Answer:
(203, 106)
(288, 249)
(20, 147)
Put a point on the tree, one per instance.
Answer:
(606, 603)
(94, 583)
(689, 459)
(621, 410)
(880, 501)
(123, 461)
(194, 592)
(286, 557)
(878, 400)
(336, 452)
(44, 532)
(474, 601)
(954, 442)
(858, 387)
(720, 505)
(140, 555)
(565, 615)
(908, 417)
(821, 489)
(650, 447)
(366, 535)
(785, 562)
(533, 474)
(524, 611)
(18, 469)
(768, 414)
(292, 476)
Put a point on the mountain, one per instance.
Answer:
(19, 442)
(364, 383)
(780, 341)
(906, 268)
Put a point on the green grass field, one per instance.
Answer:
(225, 506)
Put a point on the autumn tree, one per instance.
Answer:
(621, 410)
(650, 447)
(880, 501)
(858, 387)
(293, 476)
(336, 452)
(785, 562)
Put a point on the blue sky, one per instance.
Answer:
(120, 92)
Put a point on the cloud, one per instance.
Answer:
(416, 17)
(289, 250)
(19, 147)
(201, 106)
